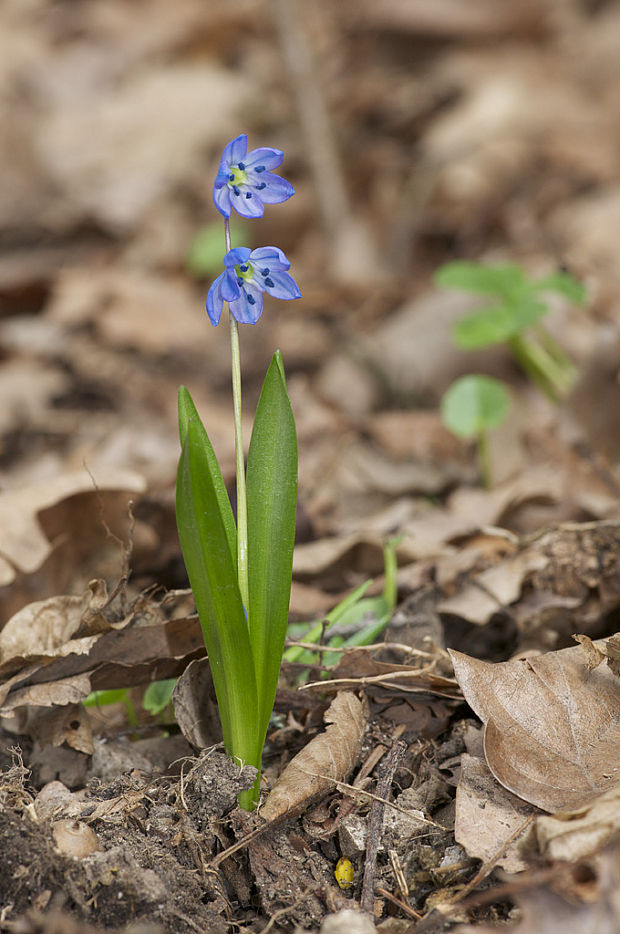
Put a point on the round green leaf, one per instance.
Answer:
(474, 404)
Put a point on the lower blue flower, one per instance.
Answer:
(247, 274)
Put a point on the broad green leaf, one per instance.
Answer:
(498, 324)
(213, 576)
(502, 280)
(158, 696)
(272, 503)
(563, 284)
(187, 412)
(473, 405)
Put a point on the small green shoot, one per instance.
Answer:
(475, 404)
(514, 318)
(472, 406)
(158, 696)
(116, 696)
(366, 616)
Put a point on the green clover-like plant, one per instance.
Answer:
(512, 315)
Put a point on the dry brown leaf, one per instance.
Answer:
(543, 911)
(577, 834)
(58, 626)
(24, 544)
(552, 728)
(487, 815)
(328, 758)
(139, 138)
(134, 655)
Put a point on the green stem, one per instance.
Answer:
(242, 506)
(538, 364)
(569, 370)
(484, 458)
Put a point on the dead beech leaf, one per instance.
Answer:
(577, 834)
(487, 815)
(57, 626)
(552, 728)
(328, 758)
(25, 546)
(592, 907)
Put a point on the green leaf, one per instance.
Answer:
(272, 503)
(158, 696)
(502, 280)
(187, 413)
(473, 405)
(498, 324)
(563, 284)
(103, 698)
(212, 573)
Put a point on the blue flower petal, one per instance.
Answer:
(248, 207)
(236, 256)
(230, 288)
(269, 158)
(216, 298)
(283, 286)
(222, 177)
(249, 306)
(221, 197)
(276, 189)
(270, 257)
(235, 150)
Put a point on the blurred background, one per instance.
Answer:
(414, 134)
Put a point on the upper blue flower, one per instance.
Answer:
(248, 274)
(245, 182)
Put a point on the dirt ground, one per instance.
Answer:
(414, 134)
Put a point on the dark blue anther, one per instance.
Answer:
(239, 280)
(251, 300)
(261, 185)
(265, 271)
(231, 178)
(241, 166)
(259, 168)
(269, 282)
(248, 194)
(236, 190)
(244, 268)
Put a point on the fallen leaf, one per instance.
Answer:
(327, 759)
(25, 545)
(487, 815)
(544, 911)
(58, 626)
(195, 705)
(552, 728)
(577, 834)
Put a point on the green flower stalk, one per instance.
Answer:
(240, 572)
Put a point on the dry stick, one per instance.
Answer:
(375, 825)
(407, 909)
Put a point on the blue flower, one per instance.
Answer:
(246, 183)
(247, 275)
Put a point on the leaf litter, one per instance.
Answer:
(501, 147)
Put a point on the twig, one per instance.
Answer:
(375, 825)
(408, 910)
